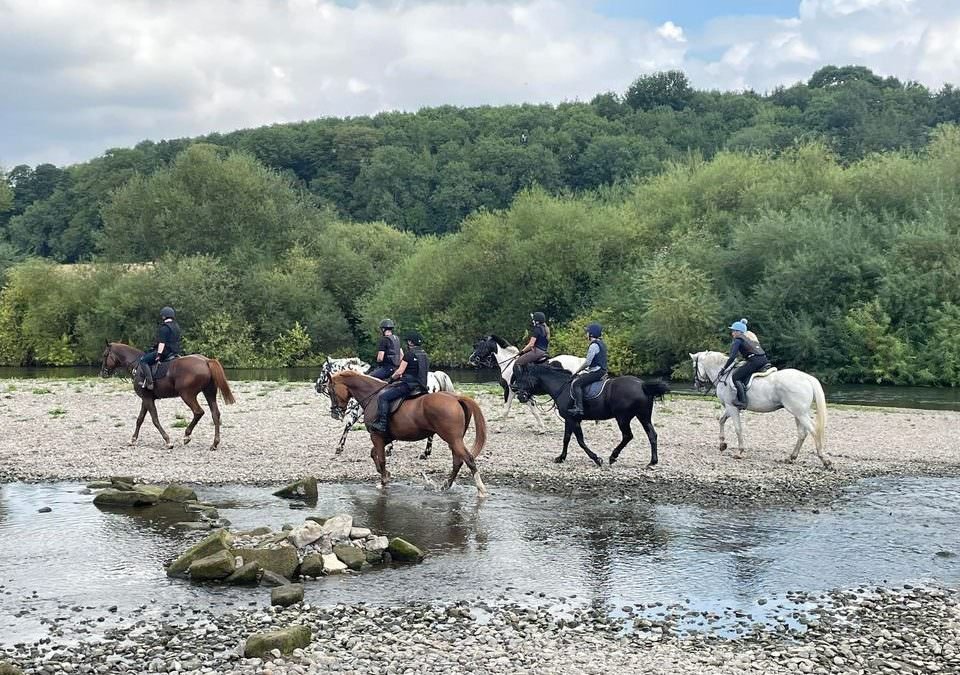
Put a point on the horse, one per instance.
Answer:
(437, 380)
(186, 377)
(791, 389)
(442, 413)
(493, 350)
(621, 398)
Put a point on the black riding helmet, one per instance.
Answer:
(168, 313)
(539, 317)
(386, 324)
(414, 337)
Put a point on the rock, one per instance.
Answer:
(286, 640)
(308, 533)
(305, 488)
(351, 556)
(286, 595)
(178, 493)
(273, 579)
(245, 574)
(312, 565)
(403, 551)
(192, 525)
(359, 532)
(152, 490)
(332, 564)
(9, 669)
(374, 557)
(376, 544)
(99, 485)
(339, 527)
(218, 540)
(216, 566)
(44, 509)
(282, 560)
(122, 480)
(317, 519)
(112, 497)
(256, 532)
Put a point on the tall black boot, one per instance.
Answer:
(382, 423)
(741, 401)
(147, 372)
(576, 410)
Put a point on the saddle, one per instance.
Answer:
(370, 413)
(768, 370)
(159, 370)
(594, 389)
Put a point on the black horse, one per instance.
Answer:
(622, 398)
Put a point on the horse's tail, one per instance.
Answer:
(656, 389)
(446, 384)
(821, 401)
(470, 407)
(220, 379)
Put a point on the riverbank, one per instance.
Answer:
(79, 429)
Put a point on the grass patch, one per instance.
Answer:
(57, 412)
(41, 390)
(179, 423)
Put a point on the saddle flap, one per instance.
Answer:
(370, 413)
(769, 370)
(594, 389)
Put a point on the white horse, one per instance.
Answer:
(437, 380)
(791, 389)
(492, 349)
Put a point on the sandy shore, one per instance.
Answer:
(79, 429)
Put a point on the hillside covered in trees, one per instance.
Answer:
(827, 212)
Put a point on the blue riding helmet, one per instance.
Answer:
(594, 330)
(740, 325)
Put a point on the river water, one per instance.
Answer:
(509, 547)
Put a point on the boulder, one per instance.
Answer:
(283, 560)
(351, 556)
(306, 534)
(286, 595)
(317, 519)
(269, 578)
(403, 551)
(305, 488)
(359, 532)
(376, 544)
(9, 669)
(374, 557)
(339, 527)
(259, 645)
(245, 574)
(112, 497)
(332, 564)
(155, 490)
(178, 493)
(194, 525)
(256, 532)
(216, 566)
(99, 484)
(218, 540)
(312, 565)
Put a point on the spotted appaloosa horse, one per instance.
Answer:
(186, 377)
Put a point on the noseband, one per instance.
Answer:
(701, 385)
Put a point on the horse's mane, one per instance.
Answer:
(499, 340)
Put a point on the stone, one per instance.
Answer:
(351, 556)
(402, 550)
(44, 509)
(153, 490)
(360, 532)
(127, 480)
(374, 557)
(9, 669)
(256, 532)
(312, 565)
(286, 640)
(112, 497)
(99, 485)
(306, 534)
(216, 566)
(286, 595)
(332, 564)
(218, 540)
(194, 525)
(339, 527)
(376, 544)
(248, 573)
(305, 488)
(178, 493)
(282, 560)
(269, 578)
(317, 519)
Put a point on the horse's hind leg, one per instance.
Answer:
(651, 435)
(210, 393)
(142, 416)
(738, 427)
(152, 408)
(426, 452)
(190, 398)
(462, 456)
(626, 435)
(578, 432)
(536, 415)
(802, 431)
(379, 458)
(724, 416)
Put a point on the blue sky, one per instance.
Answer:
(694, 13)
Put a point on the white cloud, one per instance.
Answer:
(79, 76)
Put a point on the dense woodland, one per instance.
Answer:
(826, 212)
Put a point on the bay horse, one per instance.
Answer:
(792, 389)
(442, 413)
(622, 398)
(186, 377)
(492, 350)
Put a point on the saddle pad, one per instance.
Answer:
(370, 414)
(160, 371)
(594, 389)
(762, 373)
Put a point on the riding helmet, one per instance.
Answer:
(740, 325)
(538, 317)
(594, 330)
(167, 313)
(387, 324)
(414, 337)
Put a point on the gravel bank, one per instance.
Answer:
(78, 429)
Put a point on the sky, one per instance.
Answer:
(80, 76)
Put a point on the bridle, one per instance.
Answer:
(338, 411)
(703, 385)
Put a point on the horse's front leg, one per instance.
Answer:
(738, 427)
(426, 452)
(567, 432)
(378, 454)
(536, 415)
(724, 416)
(578, 432)
(152, 407)
(506, 409)
(142, 416)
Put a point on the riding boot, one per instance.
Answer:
(382, 423)
(576, 410)
(147, 376)
(741, 401)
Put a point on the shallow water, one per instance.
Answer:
(512, 545)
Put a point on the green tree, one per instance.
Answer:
(669, 88)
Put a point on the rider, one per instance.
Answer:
(746, 345)
(167, 345)
(595, 368)
(536, 348)
(412, 376)
(389, 353)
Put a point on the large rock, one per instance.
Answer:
(269, 578)
(312, 565)
(376, 544)
(305, 488)
(402, 550)
(283, 560)
(351, 556)
(360, 532)
(99, 484)
(306, 534)
(112, 497)
(219, 540)
(9, 669)
(245, 574)
(178, 493)
(284, 596)
(146, 488)
(256, 532)
(332, 564)
(286, 640)
(339, 527)
(216, 566)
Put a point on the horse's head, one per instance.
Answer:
(112, 359)
(525, 382)
(339, 395)
(484, 352)
(701, 378)
(326, 370)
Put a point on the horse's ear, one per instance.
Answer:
(692, 355)
(106, 342)
(328, 358)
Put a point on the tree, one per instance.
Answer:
(667, 88)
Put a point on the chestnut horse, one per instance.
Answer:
(443, 413)
(186, 377)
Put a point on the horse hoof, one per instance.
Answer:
(651, 467)
(611, 460)
(423, 455)
(558, 460)
(828, 465)
(169, 445)
(738, 455)
(186, 439)
(598, 462)
(723, 446)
